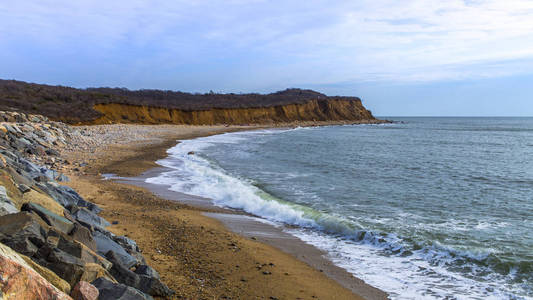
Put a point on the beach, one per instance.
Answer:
(193, 244)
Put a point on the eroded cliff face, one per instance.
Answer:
(314, 110)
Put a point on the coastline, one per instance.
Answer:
(195, 219)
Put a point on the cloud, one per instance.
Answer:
(274, 42)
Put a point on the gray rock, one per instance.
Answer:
(104, 244)
(11, 129)
(83, 235)
(51, 174)
(147, 284)
(147, 271)
(82, 214)
(82, 252)
(130, 246)
(52, 152)
(6, 206)
(23, 188)
(62, 178)
(22, 232)
(113, 291)
(49, 217)
(66, 266)
(66, 196)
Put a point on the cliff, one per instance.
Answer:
(114, 105)
(315, 110)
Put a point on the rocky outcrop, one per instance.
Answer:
(351, 110)
(53, 239)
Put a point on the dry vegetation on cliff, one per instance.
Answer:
(104, 105)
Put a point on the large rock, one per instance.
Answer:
(19, 281)
(104, 244)
(149, 285)
(32, 196)
(130, 246)
(83, 235)
(84, 291)
(47, 274)
(66, 266)
(82, 252)
(22, 232)
(83, 215)
(69, 267)
(147, 271)
(113, 291)
(6, 205)
(49, 217)
(94, 271)
(66, 196)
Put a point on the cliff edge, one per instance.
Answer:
(115, 105)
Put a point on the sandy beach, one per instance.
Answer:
(193, 245)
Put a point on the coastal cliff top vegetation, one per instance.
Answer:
(76, 105)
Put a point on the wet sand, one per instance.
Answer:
(263, 231)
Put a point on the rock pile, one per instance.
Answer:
(53, 243)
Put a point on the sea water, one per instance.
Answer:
(424, 208)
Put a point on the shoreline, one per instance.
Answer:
(261, 230)
(132, 159)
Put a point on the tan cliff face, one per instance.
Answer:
(314, 110)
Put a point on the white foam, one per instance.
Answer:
(409, 277)
(197, 176)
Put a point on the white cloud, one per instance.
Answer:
(311, 41)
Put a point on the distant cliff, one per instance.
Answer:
(113, 105)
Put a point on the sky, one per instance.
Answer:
(409, 57)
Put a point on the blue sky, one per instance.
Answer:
(410, 57)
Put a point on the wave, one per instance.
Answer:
(196, 174)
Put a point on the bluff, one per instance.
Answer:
(116, 105)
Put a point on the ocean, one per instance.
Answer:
(425, 208)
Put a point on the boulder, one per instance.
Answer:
(94, 271)
(47, 274)
(105, 243)
(82, 252)
(66, 196)
(6, 205)
(82, 214)
(62, 178)
(52, 152)
(115, 291)
(83, 235)
(22, 232)
(147, 271)
(19, 176)
(23, 188)
(49, 217)
(66, 266)
(43, 200)
(147, 284)
(19, 281)
(130, 246)
(84, 291)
